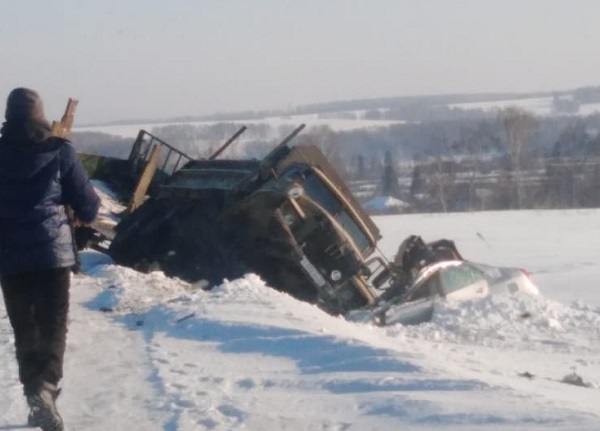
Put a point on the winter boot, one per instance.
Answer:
(43, 412)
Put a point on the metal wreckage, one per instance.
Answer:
(289, 218)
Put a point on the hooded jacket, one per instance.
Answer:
(39, 176)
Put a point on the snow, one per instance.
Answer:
(541, 106)
(311, 121)
(148, 352)
(589, 109)
(342, 121)
(385, 204)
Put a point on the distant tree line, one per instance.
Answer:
(439, 159)
(102, 144)
(514, 161)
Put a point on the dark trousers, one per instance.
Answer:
(37, 304)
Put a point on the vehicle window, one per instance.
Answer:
(427, 289)
(318, 192)
(360, 239)
(489, 272)
(457, 277)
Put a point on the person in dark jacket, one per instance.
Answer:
(40, 176)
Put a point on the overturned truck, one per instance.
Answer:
(288, 217)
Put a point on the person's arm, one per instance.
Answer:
(77, 189)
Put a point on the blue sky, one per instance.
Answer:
(156, 59)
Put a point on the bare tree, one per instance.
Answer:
(518, 125)
(389, 179)
(360, 167)
(442, 180)
(476, 142)
(329, 143)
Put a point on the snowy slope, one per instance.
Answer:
(311, 121)
(539, 106)
(165, 355)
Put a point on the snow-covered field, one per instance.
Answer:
(293, 121)
(589, 109)
(537, 105)
(172, 357)
(540, 106)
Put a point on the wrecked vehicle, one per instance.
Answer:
(446, 280)
(288, 217)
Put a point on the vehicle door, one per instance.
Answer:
(418, 305)
(463, 283)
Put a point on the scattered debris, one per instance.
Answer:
(186, 317)
(576, 380)
(527, 375)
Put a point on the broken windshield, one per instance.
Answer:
(321, 194)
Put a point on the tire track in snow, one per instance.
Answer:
(108, 388)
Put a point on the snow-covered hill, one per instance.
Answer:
(289, 121)
(146, 352)
(539, 106)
